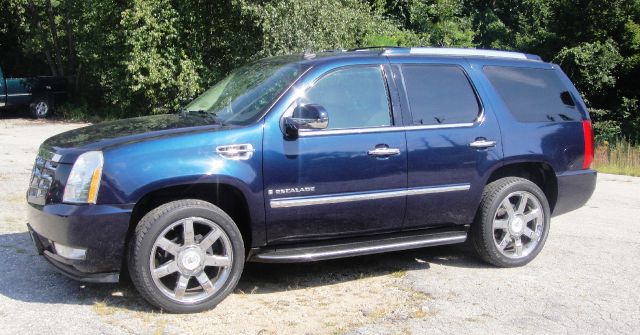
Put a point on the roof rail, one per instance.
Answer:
(461, 52)
(384, 47)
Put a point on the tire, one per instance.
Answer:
(163, 253)
(40, 108)
(496, 230)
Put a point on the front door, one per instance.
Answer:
(348, 179)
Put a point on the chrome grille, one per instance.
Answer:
(41, 180)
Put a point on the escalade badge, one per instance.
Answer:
(292, 190)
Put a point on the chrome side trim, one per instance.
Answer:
(440, 126)
(311, 133)
(18, 94)
(359, 196)
(334, 198)
(438, 189)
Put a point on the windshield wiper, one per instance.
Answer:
(206, 114)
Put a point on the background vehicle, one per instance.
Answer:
(308, 158)
(39, 94)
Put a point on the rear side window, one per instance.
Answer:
(533, 95)
(439, 94)
(354, 97)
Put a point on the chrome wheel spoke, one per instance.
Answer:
(168, 246)
(206, 284)
(210, 239)
(506, 204)
(505, 241)
(166, 269)
(522, 205)
(500, 224)
(533, 214)
(188, 232)
(219, 261)
(532, 235)
(181, 286)
(518, 246)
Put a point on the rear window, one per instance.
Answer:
(533, 95)
(439, 94)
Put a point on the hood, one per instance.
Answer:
(72, 143)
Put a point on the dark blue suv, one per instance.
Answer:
(317, 156)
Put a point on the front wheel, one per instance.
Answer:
(186, 256)
(512, 223)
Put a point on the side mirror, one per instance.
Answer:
(309, 116)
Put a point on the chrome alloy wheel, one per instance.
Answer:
(191, 260)
(41, 109)
(518, 224)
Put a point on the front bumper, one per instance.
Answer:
(574, 190)
(100, 229)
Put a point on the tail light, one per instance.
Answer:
(588, 144)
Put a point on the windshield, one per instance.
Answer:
(241, 97)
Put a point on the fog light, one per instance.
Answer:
(69, 252)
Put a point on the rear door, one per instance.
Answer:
(452, 140)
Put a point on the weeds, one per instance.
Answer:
(619, 158)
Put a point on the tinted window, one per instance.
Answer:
(439, 94)
(533, 95)
(353, 97)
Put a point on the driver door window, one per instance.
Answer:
(354, 97)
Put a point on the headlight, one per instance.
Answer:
(84, 179)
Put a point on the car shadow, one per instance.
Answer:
(14, 113)
(26, 276)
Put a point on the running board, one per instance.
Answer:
(340, 249)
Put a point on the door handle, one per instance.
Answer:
(482, 143)
(384, 151)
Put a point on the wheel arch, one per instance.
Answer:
(539, 172)
(230, 198)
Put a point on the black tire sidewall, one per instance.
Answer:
(141, 257)
(494, 255)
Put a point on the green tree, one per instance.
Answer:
(294, 26)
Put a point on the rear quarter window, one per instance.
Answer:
(533, 95)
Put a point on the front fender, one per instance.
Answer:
(136, 169)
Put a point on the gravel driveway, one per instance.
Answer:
(586, 280)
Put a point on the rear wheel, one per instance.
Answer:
(40, 107)
(512, 223)
(186, 256)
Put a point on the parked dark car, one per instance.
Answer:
(39, 94)
(317, 156)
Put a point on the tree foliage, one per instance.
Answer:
(135, 57)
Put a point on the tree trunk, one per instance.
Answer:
(57, 53)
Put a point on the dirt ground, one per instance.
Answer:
(584, 281)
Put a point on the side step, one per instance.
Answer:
(350, 248)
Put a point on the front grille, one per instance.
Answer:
(41, 180)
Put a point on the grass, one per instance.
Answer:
(619, 158)
(399, 274)
(84, 113)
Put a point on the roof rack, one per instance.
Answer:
(460, 52)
